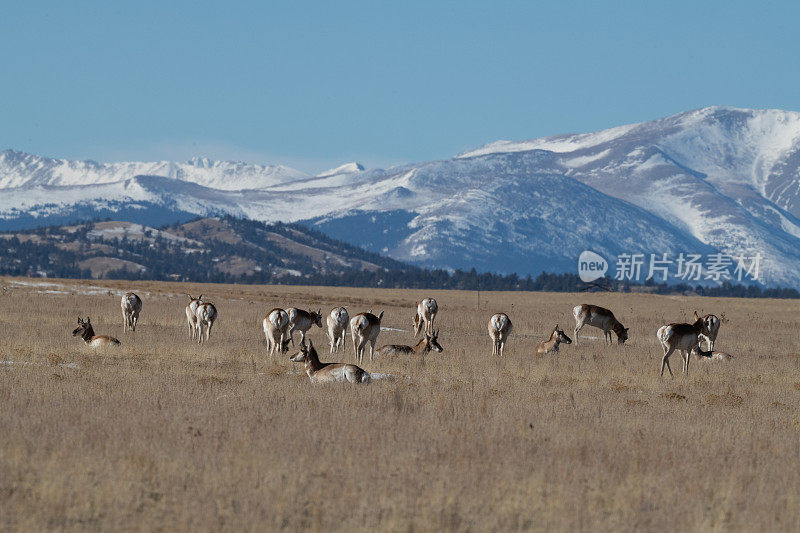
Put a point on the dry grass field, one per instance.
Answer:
(163, 434)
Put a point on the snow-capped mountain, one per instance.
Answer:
(715, 179)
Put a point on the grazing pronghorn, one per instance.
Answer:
(711, 325)
(319, 372)
(191, 316)
(86, 332)
(599, 317)
(364, 328)
(337, 327)
(131, 307)
(302, 321)
(500, 327)
(426, 314)
(428, 344)
(551, 345)
(681, 337)
(276, 330)
(206, 315)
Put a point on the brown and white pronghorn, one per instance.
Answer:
(681, 337)
(551, 345)
(86, 332)
(426, 314)
(337, 321)
(191, 316)
(276, 331)
(711, 325)
(319, 372)
(500, 327)
(131, 307)
(300, 320)
(599, 317)
(206, 315)
(364, 328)
(424, 346)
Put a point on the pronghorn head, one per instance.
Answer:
(317, 317)
(622, 334)
(433, 341)
(305, 354)
(84, 326)
(561, 336)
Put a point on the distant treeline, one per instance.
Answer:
(164, 258)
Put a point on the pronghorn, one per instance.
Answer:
(711, 325)
(131, 307)
(276, 326)
(599, 317)
(712, 355)
(86, 332)
(337, 328)
(319, 372)
(500, 327)
(551, 345)
(681, 337)
(364, 328)
(428, 344)
(302, 321)
(206, 315)
(191, 317)
(426, 314)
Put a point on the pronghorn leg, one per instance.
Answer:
(371, 350)
(665, 361)
(208, 330)
(578, 327)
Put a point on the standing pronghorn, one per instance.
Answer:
(364, 328)
(131, 307)
(276, 330)
(500, 327)
(206, 315)
(681, 337)
(599, 317)
(426, 314)
(337, 327)
(711, 325)
(319, 372)
(302, 321)
(551, 345)
(191, 314)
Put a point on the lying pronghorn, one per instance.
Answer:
(191, 316)
(319, 372)
(599, 317)
(681, 337)
(712, 355)
(206, 315)
(302, 321)
(364, 328)
(131, 307)
(337, 328)
(424, 346)
(500, 327)
(426, 314)
(557, 337)
(711, 325)
(276, 326)
(86, 332)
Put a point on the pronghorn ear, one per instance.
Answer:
(310, 343)
(380, 316)
(88, 319)
(696, 316)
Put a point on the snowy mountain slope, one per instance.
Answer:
(711, 179)
(18, 169)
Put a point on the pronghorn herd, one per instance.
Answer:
(279, 326)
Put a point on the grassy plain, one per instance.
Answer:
(164, 434)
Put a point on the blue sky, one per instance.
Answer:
(313, 85)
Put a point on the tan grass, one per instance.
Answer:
(163, 434)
